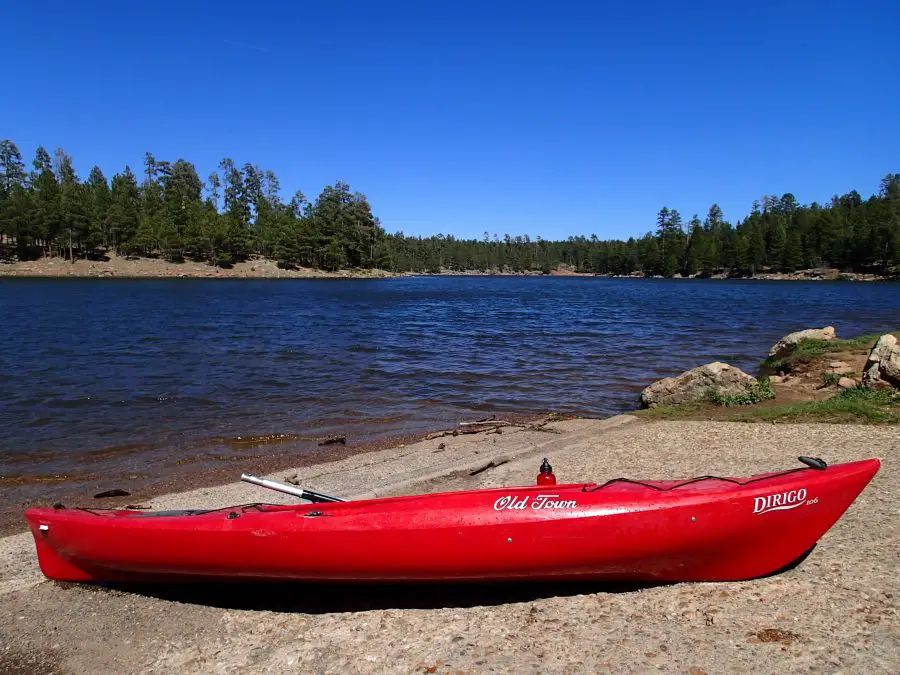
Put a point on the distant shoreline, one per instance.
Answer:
(118, 267)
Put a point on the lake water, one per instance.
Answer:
(136, 377)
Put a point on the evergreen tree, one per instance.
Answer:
(793, 252)
(742, 260)
(182, 211)
(98, 217)
(13, 200)
(12, 168)
(146, 238)
(46, 200)
(777, 244)
(697, 249)
(73, 206)
(50, 211)
(714, 227)
(124, 210)
(237, 215)
(671, 241)
(756, 246)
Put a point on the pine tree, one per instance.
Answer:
(714, 229)
(146, 237)
(696, 247)
(756, 247)
(124, 211)
(182, 211)
(668, 230)
(793, 251)
(13, 205)
(12, 168)
(777, 244)
(99, 195)
(46, 200)
(73, 207)
(742, 261)
(649, 254)
(237, 215)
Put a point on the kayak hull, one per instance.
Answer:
(707, 529)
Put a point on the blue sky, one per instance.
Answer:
(555, 119)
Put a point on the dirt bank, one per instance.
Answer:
(155, 268)
(261, 268)
(838, 611)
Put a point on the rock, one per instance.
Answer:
(882, 367)
(847, 383)
(841, 369)
(777, 379)
(787, 344)
(116, 492)
(693, 385)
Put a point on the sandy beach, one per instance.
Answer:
(836, 612)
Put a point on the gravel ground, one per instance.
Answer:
(836, 612)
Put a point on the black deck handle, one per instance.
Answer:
(814, 463)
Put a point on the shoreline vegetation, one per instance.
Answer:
(820, 379)
(237, 215)
(112, 265)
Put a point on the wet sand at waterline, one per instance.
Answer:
(837, 611)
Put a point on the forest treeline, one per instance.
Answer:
(169, 211)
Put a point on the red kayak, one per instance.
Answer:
(702, 529)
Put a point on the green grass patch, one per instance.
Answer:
(806, 350)
(866, 406)
(851, 406)
(708, 406)
(755, 393)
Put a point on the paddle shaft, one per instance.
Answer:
(308, 495)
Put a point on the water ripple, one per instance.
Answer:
(148, 371)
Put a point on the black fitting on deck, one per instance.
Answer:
(814, 463)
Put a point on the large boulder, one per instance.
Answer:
(787, 344)
(882, 368)
(693, 385)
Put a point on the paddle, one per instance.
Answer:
(308, 495)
